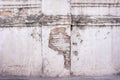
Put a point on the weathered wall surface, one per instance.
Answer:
(59, 38)
(95, 36)
(20, 51)
(20, 38)
(94, 51)
(56, 49)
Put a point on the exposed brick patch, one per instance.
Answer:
(60, 41)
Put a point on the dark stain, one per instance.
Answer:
(82, 27)
(81, 41)
(74, 44)
(96, 34)
(71, 73)
(75, 53)
(16, 66)
(105, 37)
(36, 35)
(14, 79)
(108, 33)
(71, 28)
(78, 35)
(118, 73)
(42, 19)
(84, 20)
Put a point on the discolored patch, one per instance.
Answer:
(6, 13)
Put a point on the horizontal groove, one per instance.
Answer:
(33, 26)
(82, 25)
(19, 7)
(95, 4)
(97, 16)
(98, 24)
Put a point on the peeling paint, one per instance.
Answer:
(60, 41)
(40, 38)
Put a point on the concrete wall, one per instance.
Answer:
(94, 49)
(59, 38)
(20, 51)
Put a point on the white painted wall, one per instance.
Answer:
(92, 55)
(116, 48)
(101, 10)
(95, 50)
(20, 51)
(56, 7)
(25, 51)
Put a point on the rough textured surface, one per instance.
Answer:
(20, 51)
(91, 51)
(68, 78)
(95, 25)
(95, 7)
(60, 41)
(59, 38)
(56, 50)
